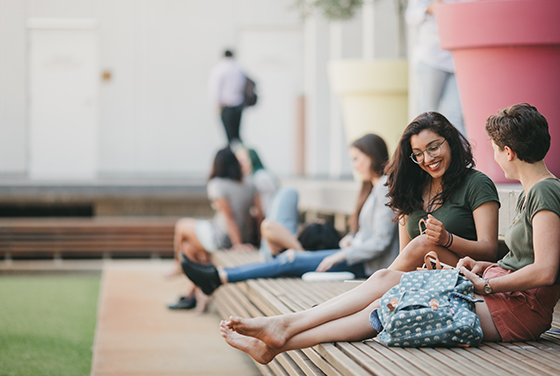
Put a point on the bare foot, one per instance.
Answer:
(255, 348)
(270, 330)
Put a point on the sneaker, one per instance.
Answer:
(184, 302)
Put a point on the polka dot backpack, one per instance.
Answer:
(432, 307)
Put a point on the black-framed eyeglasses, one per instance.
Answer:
(433, 151)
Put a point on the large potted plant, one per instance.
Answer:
(374, 91)
(505, 52)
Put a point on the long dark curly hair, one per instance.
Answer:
(407, 181)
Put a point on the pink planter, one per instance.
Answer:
(506, 52)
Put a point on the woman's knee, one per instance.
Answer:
(417, 248)
(266, 225)
(383, 274)
(185, 226)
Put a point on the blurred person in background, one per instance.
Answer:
(232, 227)
(227, 87)
(436, 88)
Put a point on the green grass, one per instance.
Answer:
(47, 324)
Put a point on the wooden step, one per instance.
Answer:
(87, 237)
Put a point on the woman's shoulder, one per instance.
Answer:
(475, 176)
(547, 189)
(265, 178)
(477, 181)
(476, 189)
(381, 188)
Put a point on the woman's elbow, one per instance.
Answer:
(547, 277)
(490, 251)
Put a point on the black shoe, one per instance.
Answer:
(204, 276)
(184, 302)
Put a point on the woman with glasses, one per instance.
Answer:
(441, 201)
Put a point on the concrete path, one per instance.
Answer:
(137, 335)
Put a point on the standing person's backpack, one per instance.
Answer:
(249, 95)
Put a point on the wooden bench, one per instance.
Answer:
(266, 297)
(85, 237)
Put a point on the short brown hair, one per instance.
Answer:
(523, 128)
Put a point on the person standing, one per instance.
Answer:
(227, 86)
(436, 88)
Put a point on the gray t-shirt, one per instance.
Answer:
(240, 196)
(545, 195)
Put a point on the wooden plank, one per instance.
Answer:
(281, 295)
(521, 361)
(290, 366)
(529, 356)
(476, 354)
(344, 364)
(235, 308)
(264, 369)
(358, 352)
(321, 363)
(236, 293)
(277, 368)
(462, 360)
(392, 361)
(459, 362)
(257, 291)
(426, 363)
(548, 350)
(306, 365)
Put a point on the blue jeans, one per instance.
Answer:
(281, 266)
(437, 91)
(283, 209)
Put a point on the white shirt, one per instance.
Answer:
(427, 48)
(227, 83)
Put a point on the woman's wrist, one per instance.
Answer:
(449, 242)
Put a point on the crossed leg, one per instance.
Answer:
(354, 327)
(342, 318)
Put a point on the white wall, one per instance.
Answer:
(154, 117)
(13, 97)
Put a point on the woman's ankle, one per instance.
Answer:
(223, 275)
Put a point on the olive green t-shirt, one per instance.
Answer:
(545, 195)
(456, 213)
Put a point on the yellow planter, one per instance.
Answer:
(374, 97)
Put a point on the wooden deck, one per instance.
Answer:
(267, 297)
(28, 238)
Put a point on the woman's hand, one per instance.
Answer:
(330, 261)
(346, 241)
(435, 231)
(476, 280)
(476, 267)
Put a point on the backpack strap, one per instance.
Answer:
(429, 263)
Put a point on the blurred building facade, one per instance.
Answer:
(102, 88)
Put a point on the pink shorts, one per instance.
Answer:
(521, 315)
